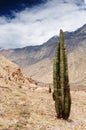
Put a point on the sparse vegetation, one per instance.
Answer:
(49, 88)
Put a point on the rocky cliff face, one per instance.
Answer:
(37, 61)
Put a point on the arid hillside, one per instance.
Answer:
(24, 105)
(37, 61)
(43, 70)
(10, 74)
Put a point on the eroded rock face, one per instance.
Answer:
(17, 75)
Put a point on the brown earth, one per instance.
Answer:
(32, 108)
(24, 105)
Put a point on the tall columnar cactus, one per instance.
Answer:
(61, 93)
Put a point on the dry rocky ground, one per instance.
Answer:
(27, 106)
(32, 108)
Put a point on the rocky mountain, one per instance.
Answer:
(37, 61)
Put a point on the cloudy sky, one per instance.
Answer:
(33, 22)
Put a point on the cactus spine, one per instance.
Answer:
(61, 93)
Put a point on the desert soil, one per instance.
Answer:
(32, 108)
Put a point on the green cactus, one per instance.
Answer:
(61, 93)
(56, 81)
(67, 97)
(50, 89)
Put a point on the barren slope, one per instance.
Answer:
(42, 71)
(10, 74)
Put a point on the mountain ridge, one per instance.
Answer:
(32, 56)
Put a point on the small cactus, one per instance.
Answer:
(49, 88)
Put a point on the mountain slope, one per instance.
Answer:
(37, 61)
(10, 74)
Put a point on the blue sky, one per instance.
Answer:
(6, 6)
(33, 23)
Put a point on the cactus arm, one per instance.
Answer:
(62, 66)
(67, 97)
(57, 90)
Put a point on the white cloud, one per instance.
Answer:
(36, 25)
(85, 1)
